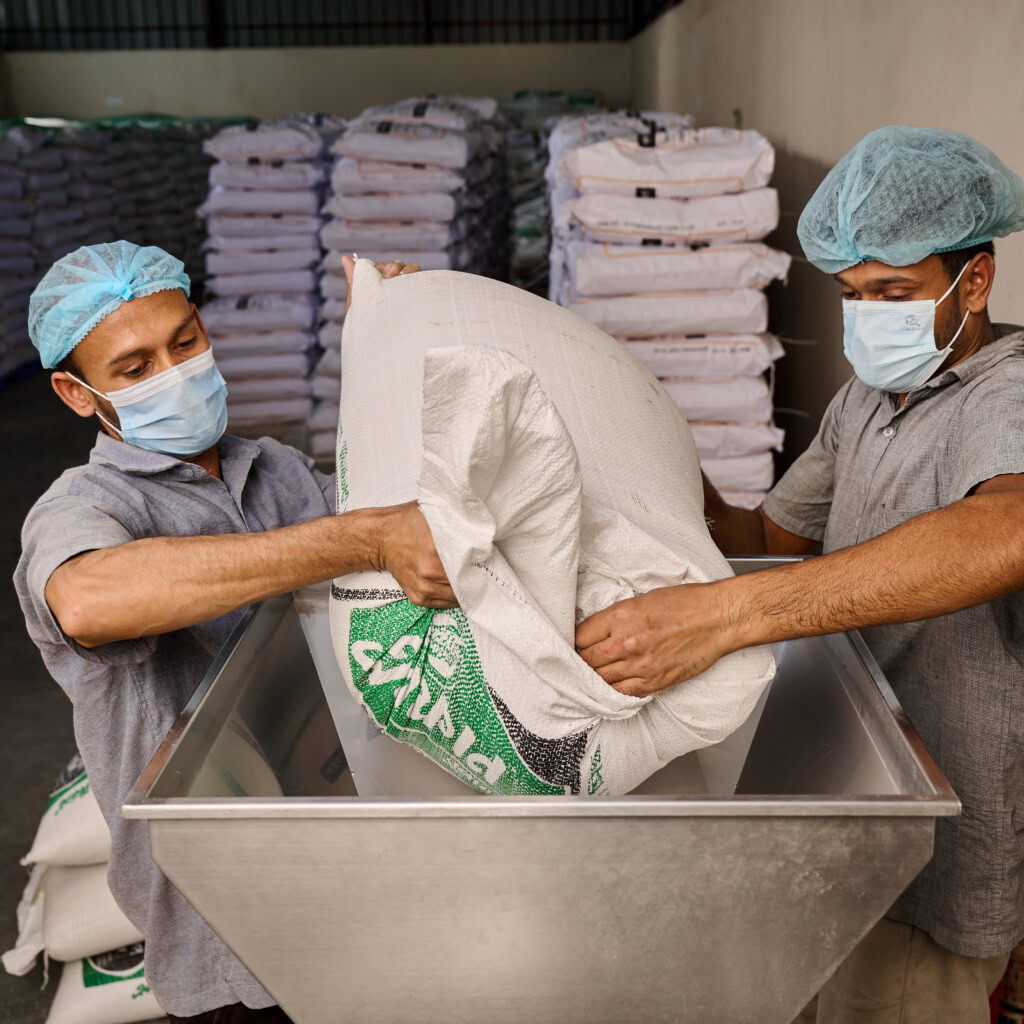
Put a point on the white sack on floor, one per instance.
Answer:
(743, 499)
(444, 113)
(354, 176)
(739, 311)
(330, 334)
(676, 163)
(604, 268)
(326, 387)
(257, 225)
(273, 140)
(438, 206)
(742, 473)
(258, 389)
(254, 243)
(322, 443)
(746, 217)
(259, 313)
(238, 200)
(72, 830)
(352, 235)
(256, 365)
(80, 917)
(110, 988)
(282, 342)
(333, 286)
(408, 143)
(330, 363)
(725, 440)
(425, 259)
(715, 357)
(742, 400)
(287, 282)
(516, 425)
(286, 176)
(286, 410)
(333, 310)
(271, 260)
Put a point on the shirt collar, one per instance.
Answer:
(136, 461)
(1009, 340)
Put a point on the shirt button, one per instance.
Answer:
(889, 431)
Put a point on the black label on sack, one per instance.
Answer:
(383, 127)
(420, 167)
(650, 241)
(242, 303)
(277, 163)
(646, 141)
(632, 112)
(420, 110)
(119, 960)
(645, 193)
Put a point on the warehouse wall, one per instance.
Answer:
(815, 78)
(266, 83)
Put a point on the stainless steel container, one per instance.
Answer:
(680, 904)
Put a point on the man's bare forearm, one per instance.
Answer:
(161, 584)
(969, 553)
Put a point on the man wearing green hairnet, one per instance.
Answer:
(914, 486)
(137, 566)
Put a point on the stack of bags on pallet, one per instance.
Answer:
(262, 257)
(68, 913)
(527, 114)
(422, 181)
(36, 217)
(656, 240)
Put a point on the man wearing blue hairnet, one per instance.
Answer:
(137, 566)
(915, 487)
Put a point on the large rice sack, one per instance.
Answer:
(557, 477)
(109, 988)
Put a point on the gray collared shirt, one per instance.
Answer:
(960, 677)
(126, 695)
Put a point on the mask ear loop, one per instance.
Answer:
(966, 315)
(100, 395)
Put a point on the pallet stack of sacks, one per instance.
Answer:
(656, 240)
(422, 181)
(262, 257)
(37, 218)
(68, 913)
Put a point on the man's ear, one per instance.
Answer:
(72, 394)
(980, 275)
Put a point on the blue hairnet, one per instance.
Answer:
(903, 193)
(85, 286)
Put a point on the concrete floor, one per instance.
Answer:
(40, 440)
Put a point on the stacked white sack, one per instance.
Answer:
(657, 239)
(68, 913)
(262, 253)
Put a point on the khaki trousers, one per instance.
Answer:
(901, 975)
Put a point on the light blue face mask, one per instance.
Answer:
(892, 344)
(181, 412)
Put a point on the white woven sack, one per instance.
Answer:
(110, 988)
(244, 200)
(727, 440)
(739, 311)
(285, 410)
(604, 268)
(439, 206)
(674, 164)
(330, 334)
(287, 282)
(333, 286)
(746, 217)
(443, 113)
(261, 365)
(273, 140)
(426, 259)
(485, 107)
(326, 388)
(714, 357)
(72, 830)
(263, 243)
(262, 262)
(574, 130)
(741, 473)
(259, 313)
(742, 400)
(333, 310)
(270, 389)
(330, 363)
(264, 176)
(80, 917)
(516, 425)
(351, 175)
(322, 443)
(256, 225)
(261, 343)
(408, 143)
(351, 235)
(325, 416)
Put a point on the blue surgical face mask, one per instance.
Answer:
(892, 344)
(181, 412)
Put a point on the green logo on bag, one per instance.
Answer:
(420, 676)
(93, 975)
(77, 787)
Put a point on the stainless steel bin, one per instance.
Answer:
(682, 904)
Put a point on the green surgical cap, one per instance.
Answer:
(903, 193)
(85, 286)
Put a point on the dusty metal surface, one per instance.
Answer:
(688, 902)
